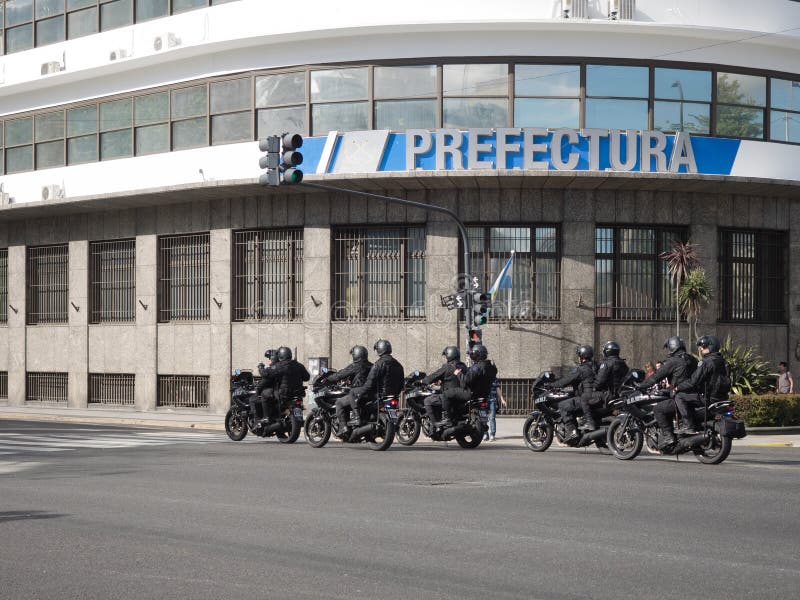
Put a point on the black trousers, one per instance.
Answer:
(431, 402)
(686, 404)
(592, 400)
(663, 413)
(262, 405)
(568, 409)
(454, 398)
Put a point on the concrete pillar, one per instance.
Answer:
(16, 323)
(317, 293)
(220, 317)
(77, 311)
(793, 351)
(146, 356)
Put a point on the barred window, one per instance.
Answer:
(111, 389)
(112, 281)
(4, 285)
(48, 284)
(183, 277)
(753, 275)
(3, 385)
(267, 275)
(379, 274)
(632, 282)
(46, 388)
(183, 391)
(535, 292)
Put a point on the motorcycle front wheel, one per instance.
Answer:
(235, 426)
(292, 430)
(625, 443)
(715, 450)
(408, 430)
(538, 433)
(318, 431)
(470, 440)
(382, 438)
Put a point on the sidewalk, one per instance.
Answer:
(509, 429)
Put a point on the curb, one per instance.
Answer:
(112, 421)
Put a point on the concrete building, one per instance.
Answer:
(140, 261)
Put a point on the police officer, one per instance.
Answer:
(287, 377)
(384, 379)
(710, 369)
(582, 381)
(446, 374)
(477, 382)
(610, 375)
(265, 392)
(677, 369)
(356, 372)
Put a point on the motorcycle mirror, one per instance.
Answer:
(237, 372)
(323, 370)
(416, 373)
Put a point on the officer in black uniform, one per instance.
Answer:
(582, 381)
(477, 382)
(384, 379)
(610, 375)
(677, 369)
(446, 374)
(356, 372)
(287, 377)
(702, 382)
(265, 392)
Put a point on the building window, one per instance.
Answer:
(231, 117)
(182, 391)
(632, 281)
(740, 105)
(4, 285)
(267, 275)
(379, 274)
(48, 284)
(4, 385)
(281, 103)
(183, 277)
(616, 96)
(784, 122)
(189, 117)
(46, 388)
(111, 389)
(682, 101)
(547, 96)
(405, 97)
(475, 96)
(151, 123)
(339, 98)
(753, 275)
(535, 292)
(19, 145)
(112, 281)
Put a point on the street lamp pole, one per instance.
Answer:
(678, 85)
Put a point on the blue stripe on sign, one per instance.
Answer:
(715, 156)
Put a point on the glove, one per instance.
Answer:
(672, 392)
(640, 386)
(260, 366)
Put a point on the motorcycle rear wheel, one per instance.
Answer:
(715, 451)
(291, 436)
(383, 437)
(408, 430)
(318, 431)
(625, 444)
(538, 436)
(235, 426)
(470, 440)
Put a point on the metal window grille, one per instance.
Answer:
(379, 274)
(753, 275)
(111, 389)
(4, 385)
(267, 275)
(48, 284)
(4, 285)
(535, 292)
(517, 394)
(183, 277)
(183, 391)
(46, 388)
(112, 283)
(632, 281)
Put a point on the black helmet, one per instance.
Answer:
(585, 351)
(382, 347)
(358, 353)
(709, 341)
(270, 352)
(674, 344)
(478, 352)
(451, 353)
(611, 348)
(284, 353)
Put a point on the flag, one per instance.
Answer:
(503, 280)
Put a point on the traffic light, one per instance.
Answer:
(281, 159)
(474, 337)
(480, 308)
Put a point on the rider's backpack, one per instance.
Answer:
(720, 384)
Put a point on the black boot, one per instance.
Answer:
(445, 422)
(589, 425)
(355, 419)
(686, 427)
(666, 439)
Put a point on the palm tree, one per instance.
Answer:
(695, 294)
(680, 260)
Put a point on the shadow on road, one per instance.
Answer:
(24, 515)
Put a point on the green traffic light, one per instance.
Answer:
(292, 176)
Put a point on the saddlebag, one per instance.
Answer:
(732, 427)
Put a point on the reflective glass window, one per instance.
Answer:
(286, 88)
(616, 114)
(785, 94)
(740, 121)
(405, 82)
(153, 108)
(693, 116)
(784, 126)
(81, 23)
(49, 8)
(190, 133)
(233, 127)
(116, 144)
(18, 11)
(19, 38)
(19, 131)
(338, 84)
(182, 5)
(115, 114)
(50, 154)
(475, 80)
(227, 96)
(82, 149)
(733, 88)
(19, 159)
(118, 13)
(189, 102)
(399, 115)
(292, 118)
(151, 9)
(345, 116)
(694, 85)
(617, 81)
(547, 80)
(547, 112)
(50, 31)
(82, 120)
(76, 4)
(152, 139)
(463, 113)
(49, 126)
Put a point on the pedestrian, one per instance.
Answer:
(785, 381)
(649, 369)
(495, 396)
(663, 383)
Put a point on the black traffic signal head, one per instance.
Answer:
(291, 158)
(480, 308)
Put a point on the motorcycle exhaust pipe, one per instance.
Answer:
(274, 427)
(692, 440)
(363, 430)
(592, 436)
(451, 432)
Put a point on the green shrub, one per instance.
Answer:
(768, 410)
(750, 374)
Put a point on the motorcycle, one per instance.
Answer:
(378, 417)
(239, 420)
(635, 426)
(470, 421)
(545, 422)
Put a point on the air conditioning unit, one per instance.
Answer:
(575, 9)
(621, 10)
(52, 192)
(165, 40)
(5, 198)
(54, 66)
(119, 53)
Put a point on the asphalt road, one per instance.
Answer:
(133, 513)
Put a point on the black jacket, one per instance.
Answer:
(287, 377)
(385, 378)
(581, 379)
(701, 379)
(676, 369)
(610, 375)
(356, 372)
(479, 377)
(446, 374)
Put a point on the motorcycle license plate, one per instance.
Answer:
(297, 412)
(483, 415)
(392, 412)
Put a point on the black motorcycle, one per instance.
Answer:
(240, 419)
(545, 422)
(378, 417)
(635, 426)
(470, 421)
